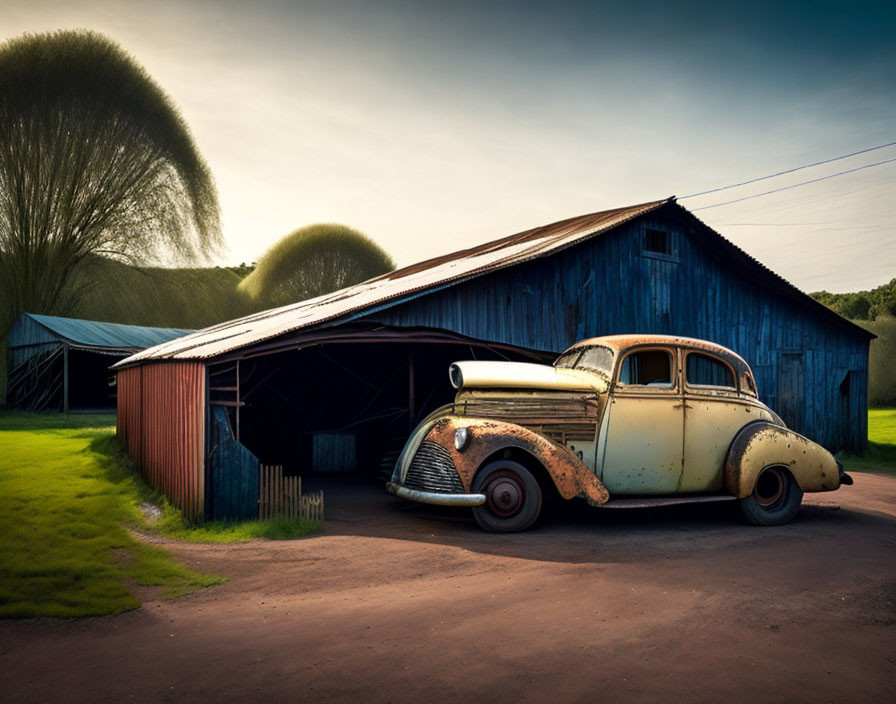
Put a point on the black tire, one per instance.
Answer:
(775, 499)
(513, 497)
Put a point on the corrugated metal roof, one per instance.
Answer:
(45, 329)
(394, 286)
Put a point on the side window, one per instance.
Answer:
(648, 368)
(703, 370)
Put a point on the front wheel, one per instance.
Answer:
(512, 497)
(775, 499)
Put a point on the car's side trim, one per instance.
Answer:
(432, 497)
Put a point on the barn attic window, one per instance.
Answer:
(657, 241)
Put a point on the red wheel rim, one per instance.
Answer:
(505, 493)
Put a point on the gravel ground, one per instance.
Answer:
(400, 602)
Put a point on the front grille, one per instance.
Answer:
(433, 470)
(528, 410)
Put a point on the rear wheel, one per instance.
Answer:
(775, 499)
(512, 497)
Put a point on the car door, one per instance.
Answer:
(642, 434)
(713, 414)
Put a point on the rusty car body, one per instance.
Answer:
(622, 420)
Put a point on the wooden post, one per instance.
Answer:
(410, 388)
(237, 400)
(65, 379)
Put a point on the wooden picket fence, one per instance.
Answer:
(282, 496)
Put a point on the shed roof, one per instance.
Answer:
(440, 272)
(395, 286)
(32, 329)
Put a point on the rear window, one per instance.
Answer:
(703, 370)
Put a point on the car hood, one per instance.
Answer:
(519, 375)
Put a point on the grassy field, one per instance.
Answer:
(64, 550)
(881, 454)
(67, 496)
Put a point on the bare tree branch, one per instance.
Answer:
(94, 158)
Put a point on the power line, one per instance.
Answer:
(822, 228)
(789, 171)
(823, 225)
(802, 183)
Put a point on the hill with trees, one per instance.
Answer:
(874, 310)
(861, 305)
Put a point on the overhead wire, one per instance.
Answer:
(788, 171)
(793, 185)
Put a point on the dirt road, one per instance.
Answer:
(397, 602)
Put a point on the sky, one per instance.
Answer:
(431, 127)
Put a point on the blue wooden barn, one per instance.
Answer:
(337, 382)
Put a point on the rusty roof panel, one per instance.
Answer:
(391, 287)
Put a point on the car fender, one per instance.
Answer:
(571, 477)
(761, 444)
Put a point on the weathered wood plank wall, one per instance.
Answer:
(233, 472)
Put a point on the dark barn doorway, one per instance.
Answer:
(91, 386)
(66, 379)
(344, 403)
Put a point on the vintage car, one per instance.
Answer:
(623, 420)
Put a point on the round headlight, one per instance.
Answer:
(455, 376)
(461, 438)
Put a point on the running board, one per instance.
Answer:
(647, 502)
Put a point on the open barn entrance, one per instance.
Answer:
(64, 378)
(343, 402)
(91, 386)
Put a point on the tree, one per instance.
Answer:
(855, 306)
(886, 304)
(312, 261)
(94, 160)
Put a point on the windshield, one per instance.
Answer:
(592, 359)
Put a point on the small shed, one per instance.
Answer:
(63, 364)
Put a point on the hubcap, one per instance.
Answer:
(769, 487)
(505, 494)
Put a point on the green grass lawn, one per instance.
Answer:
(67, 495)
(64, 550)
(881, 454)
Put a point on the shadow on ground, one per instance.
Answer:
(572, 531)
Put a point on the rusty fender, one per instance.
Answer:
(571, 477)
(760, 445)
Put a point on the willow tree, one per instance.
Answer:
(95, 160)
(312, 261)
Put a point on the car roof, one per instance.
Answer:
(621, 343)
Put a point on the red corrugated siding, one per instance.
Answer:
(161, 420)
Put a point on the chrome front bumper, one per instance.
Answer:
(432, 497)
